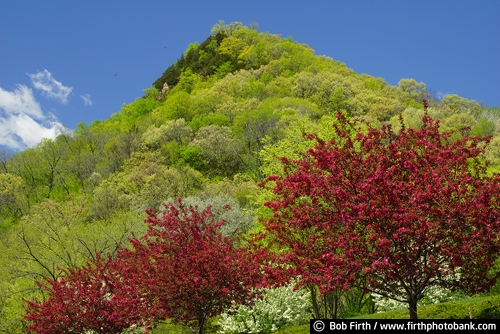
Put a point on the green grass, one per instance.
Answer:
(476, 308)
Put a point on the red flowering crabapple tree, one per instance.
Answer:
(182, 269)
(401, 211)
(185, 269)
(80, 301)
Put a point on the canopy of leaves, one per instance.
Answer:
(403, 211)
(183, 268)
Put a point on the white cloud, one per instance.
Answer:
(86, 99)
(20, 101)
(22, 131)
(22, 121)
(50, 86)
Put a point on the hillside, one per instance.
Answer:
(208, 129)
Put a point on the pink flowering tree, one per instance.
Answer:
(79, 301)
(401, 211)
(183, 269)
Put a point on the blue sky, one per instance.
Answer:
(65, 62)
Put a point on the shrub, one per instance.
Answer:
(279, 308)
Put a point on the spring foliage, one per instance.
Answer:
(263, 91)
(403, 211)
(183, 268)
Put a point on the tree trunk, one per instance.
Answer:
(314, 302)
(412, 303)
(201, 323)
(325, 308)
(330, 301)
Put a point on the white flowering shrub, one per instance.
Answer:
(432, 295)
(134, 329)
(280, 307)
(437, 294)
(383, 304)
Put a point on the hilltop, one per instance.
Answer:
(208, 130)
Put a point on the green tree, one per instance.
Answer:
(241, 187)
(416, 90)
(146, 181)
(118, 148)
(193, 47)
(460, 124)
(233, 107)
(484, 127)
(52, 237)
(178, 130)
(254, 56)
(200, 121)
(375, 105)
(172, 152)
(208, 100)
(53, 154)
(4, 159)
(411, 117)
(225, 208)
(219, 148)
(291, 143)
(187, 82)
(306, 84)
(492, 151)
(177, 105)
(227, 29)
(26, 164)
(112, 195)
(251, 127)
(232, 46)
(130, 113)
(13, 198)
(460, 104)
(83, 158)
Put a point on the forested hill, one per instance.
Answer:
(207, 130)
